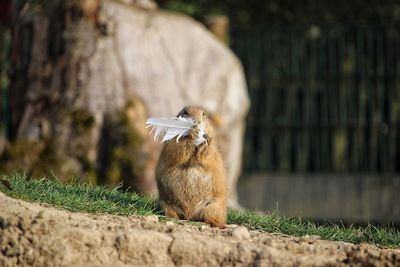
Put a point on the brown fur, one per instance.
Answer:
(191, 179)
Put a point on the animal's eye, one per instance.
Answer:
(203, 113)
(185, 112)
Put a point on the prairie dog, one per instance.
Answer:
(191, 179)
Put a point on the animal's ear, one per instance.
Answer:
(183, 113)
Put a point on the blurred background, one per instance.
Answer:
(321, 138)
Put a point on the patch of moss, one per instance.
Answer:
(65, 154)
(82, 120)
(123, 154)
(21, 155)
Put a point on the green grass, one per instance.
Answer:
(78, 197)
(96, 199)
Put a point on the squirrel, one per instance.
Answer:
(191, 179)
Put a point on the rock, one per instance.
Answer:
(241, 233)
(203, 227)
(170, 223)
(30, 256)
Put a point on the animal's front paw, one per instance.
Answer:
(203, 141)
(208, 138)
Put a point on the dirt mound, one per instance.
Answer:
(38, 235)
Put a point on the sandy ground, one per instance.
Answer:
(38, 235)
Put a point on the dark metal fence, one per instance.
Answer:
(324, 99)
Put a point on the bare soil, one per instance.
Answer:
(39, 235)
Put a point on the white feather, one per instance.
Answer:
(175, 127)
(170, 128)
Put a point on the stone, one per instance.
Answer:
(203, 227)
(241, 233)
(170, 223)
